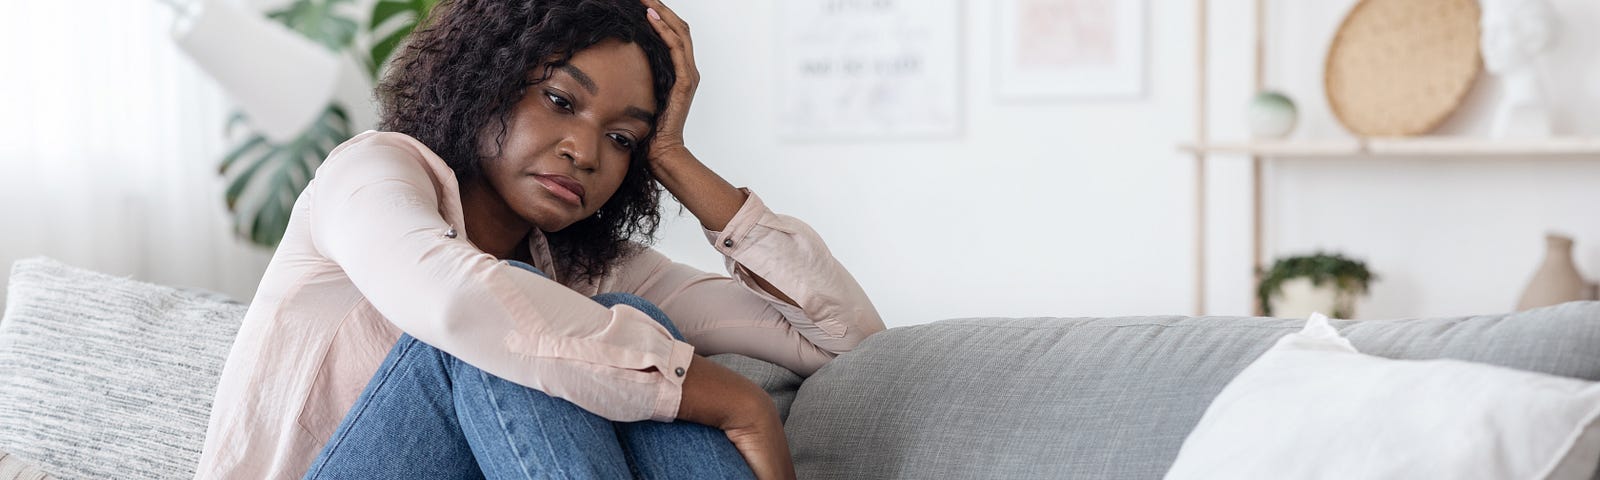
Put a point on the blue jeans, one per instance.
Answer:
(426, 414)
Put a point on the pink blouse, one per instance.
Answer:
(369, 254)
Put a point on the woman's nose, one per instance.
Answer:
(580, 148)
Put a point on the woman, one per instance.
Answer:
(429, 312)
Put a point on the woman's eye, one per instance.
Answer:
(622, 141)
(559, 102)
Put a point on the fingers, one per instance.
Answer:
(765, 449)
(672, 30)
(670, 18)
(675, 32)
(682, 59)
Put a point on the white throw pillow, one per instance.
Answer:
(1313, 407)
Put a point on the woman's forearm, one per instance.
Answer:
(716, 396)
(707, 195)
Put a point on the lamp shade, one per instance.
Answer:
(281, 79)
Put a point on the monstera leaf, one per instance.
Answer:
(318, 21)
(265, 178)
(396, 19)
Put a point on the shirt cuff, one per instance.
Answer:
(670, 393)
(731, 238)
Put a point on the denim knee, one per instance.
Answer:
(638, 302)
(409, 349)
(526, 266)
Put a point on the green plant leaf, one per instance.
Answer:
(264, 178)
(238, 152)
(282, 188)
(271, 221)
(1347, 274)
(395, 19)
(386, 47)
(320, 21)
(248, 175)
(386, 9)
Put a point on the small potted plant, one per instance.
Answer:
(1296, 286)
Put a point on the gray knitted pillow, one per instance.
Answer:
(105, 377)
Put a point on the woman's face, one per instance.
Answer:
(568, 141)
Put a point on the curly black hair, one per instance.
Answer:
(467, 65)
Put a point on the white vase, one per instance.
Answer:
(1299, 298)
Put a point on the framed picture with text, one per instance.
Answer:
(869, 69)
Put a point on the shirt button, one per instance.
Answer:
(451, 233)
(679, 371)
(728, 243)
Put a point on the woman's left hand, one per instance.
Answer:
(668, 140)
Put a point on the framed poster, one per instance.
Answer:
(868, 69)
(1070, 49)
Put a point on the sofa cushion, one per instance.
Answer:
(105, 377)
(1098, 398)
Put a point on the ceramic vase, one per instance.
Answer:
(1557, 280)
(1299, 298)
(1271, 116)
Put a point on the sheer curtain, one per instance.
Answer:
(109, 139)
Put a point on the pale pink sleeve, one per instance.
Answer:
(376, 214)
(723, 314)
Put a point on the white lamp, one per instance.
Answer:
(281, 79)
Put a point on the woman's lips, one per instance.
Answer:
(563, 187)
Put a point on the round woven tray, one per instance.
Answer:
(1400, 67)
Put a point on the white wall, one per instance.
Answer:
(1084, 207)
(1074, 208)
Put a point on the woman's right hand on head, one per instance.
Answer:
(716, 396)
(674, 31)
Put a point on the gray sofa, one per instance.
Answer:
(103, 377)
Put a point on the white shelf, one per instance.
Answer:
(1419, 146)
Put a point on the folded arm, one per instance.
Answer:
(375, 213)
(810, 311)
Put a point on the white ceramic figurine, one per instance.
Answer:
(1515, 32)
